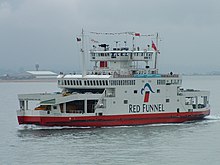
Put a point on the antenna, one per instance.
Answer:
(83, 56)
(157, 38)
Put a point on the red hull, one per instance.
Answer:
(113, 120)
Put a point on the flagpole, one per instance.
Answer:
(155, 64)
(83, 56)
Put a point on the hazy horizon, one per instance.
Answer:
(43, 32)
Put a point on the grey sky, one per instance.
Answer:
(42, 31)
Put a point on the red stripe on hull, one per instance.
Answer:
(113, 120)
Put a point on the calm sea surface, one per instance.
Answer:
(172, 144)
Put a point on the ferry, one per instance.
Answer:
(116, 92)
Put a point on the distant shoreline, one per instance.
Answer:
(28, 80)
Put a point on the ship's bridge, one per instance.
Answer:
(121, 55)
(120, 59)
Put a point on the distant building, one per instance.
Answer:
(43, 74)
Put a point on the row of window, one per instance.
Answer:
(95, 82)
(169, 82)
(113, 54)
(69, 82)
(126, 101)
(122, 82)
(161, 82)
(112, 82)
(86, 82)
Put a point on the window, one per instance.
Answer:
(135, 91)
(125, 101)
(167, 100)
(158, 90)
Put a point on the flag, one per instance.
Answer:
(78, 39)
(137, 34)
(154, 46)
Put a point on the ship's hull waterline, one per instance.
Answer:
(114, 120)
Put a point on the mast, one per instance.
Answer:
(83, 56)
(132, 54)
(155, 64)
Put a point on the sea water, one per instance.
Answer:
(172, 144)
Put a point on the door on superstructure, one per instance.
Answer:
(91, 106)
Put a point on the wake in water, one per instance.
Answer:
(37, 127)
(213, 117)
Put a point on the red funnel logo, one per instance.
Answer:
(146, 91)
(146, 96)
